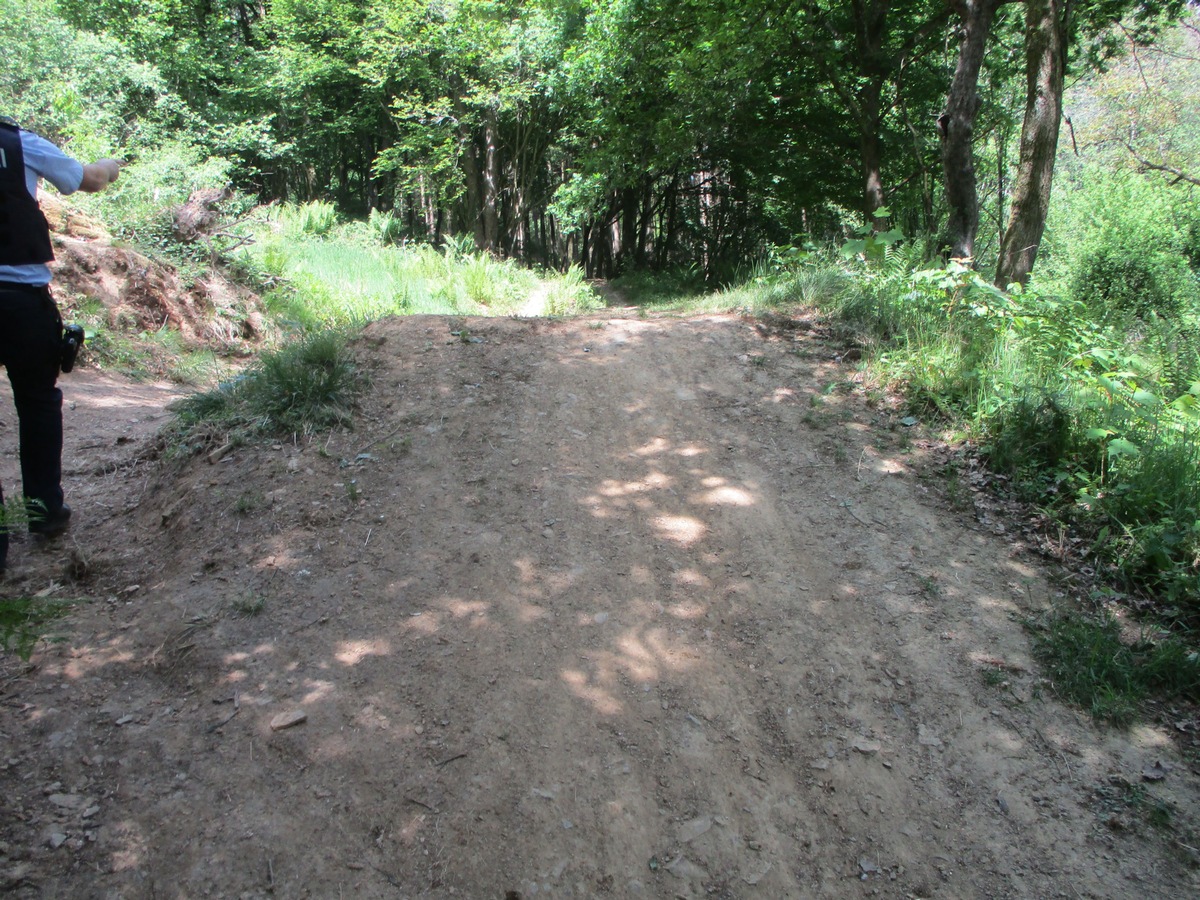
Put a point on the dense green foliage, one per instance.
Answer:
(1087, 416)
(621, 135)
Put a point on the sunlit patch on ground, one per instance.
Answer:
(351, 653)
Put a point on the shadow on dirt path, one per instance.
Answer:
(610, 606)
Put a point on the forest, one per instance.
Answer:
(648, 134)
(997, 202)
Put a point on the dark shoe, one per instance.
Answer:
(49, 524)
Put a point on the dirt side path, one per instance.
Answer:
(109, 424)
(604, 607)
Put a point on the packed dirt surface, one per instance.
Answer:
(612, 606)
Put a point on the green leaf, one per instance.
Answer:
(1119, 447)
(1187, 404)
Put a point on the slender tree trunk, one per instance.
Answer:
(956, 127)
(372, 190)
(613, 249)
(491, 185)
(873, 198)
(627, 233)
(871, 27)
(1045, 65)
(473, 182)
(666, 238)
(645, 222)
(1001, 187)
(919, 157)
(408, 213)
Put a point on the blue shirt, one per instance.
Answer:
(43, 160)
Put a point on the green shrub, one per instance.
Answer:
(311, 384)
(569, 294)
(1153, 502)
(1036, 430)
(385, 227)
(140, 205)
(1097, 424)
(1123, 244)
(1123, 280)
(316, 218)
(1174, 349)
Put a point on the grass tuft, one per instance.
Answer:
(1089, 664)
(309, 385)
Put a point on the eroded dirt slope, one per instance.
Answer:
(615, 606)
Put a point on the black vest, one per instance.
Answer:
(24, 234)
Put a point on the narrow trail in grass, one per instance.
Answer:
(535, 305)
(607, 606)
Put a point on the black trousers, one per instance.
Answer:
(30, 350)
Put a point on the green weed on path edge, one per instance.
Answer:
(1089, 663)
(26, 620)
(311, 384)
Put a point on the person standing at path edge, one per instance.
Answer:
(31, 329)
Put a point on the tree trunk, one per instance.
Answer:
(877, 65)
(473, 183)
(645, 223)
(956, 127)
(873, 198)
(670, 224)
(1045, 64)
(585, 252)
(627, 232)
(491, 186)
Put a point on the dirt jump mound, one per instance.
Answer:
(615, 606)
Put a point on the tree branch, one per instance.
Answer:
(1147, 166)
(1133, 50)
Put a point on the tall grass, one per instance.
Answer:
(570, 294)
(317, 217)
(307, 385)
(1089, 663)
(332, 275)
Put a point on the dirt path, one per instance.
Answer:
(604, 607)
